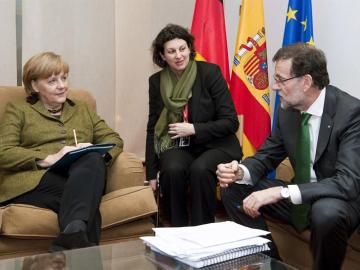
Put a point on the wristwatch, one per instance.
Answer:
(285, 193)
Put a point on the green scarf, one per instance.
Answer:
(175, 94)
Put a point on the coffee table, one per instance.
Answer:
(127, 255)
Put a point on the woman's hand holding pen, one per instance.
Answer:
(51, 159)
(82, 145)
(183, 129)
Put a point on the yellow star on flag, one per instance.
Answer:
(291, 14)
(311, 41)
(304, 23)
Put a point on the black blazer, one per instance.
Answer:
(211, 110)
(337, 158)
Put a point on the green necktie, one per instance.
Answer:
(300, 213)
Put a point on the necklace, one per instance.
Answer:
(53, 111)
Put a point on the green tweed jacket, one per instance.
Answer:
(29, 133)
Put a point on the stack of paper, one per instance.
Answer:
(207, 244)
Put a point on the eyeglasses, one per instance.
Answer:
(282, 81)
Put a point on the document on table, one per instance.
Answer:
(212, 233)
(208, 244)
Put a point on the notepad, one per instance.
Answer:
(225, 256)
(72, 156)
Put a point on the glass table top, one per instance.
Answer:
(128, 255)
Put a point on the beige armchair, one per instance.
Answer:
(125, 208)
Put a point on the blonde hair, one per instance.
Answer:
(42, 66)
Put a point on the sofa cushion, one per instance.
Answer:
(27, 221)
(285, 171)
(126, 171)
(117, 207)
(127, 204)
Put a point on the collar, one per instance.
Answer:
(317, 108)
(71, 101)
(39, 106)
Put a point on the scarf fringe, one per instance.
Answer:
(162, 143)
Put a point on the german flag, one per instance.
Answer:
(208, 28)
(249, 84)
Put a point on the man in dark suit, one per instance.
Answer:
(331, 183)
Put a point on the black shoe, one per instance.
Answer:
(67, 241)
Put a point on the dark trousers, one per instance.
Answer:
(332, 221)
(191, 168)
(73, 194)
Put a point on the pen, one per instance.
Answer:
(75, 137)
(239, 207)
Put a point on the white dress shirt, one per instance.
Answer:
(316, 110)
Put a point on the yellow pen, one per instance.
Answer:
(76, 143)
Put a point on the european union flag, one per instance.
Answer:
(299, 24)
(298, 28)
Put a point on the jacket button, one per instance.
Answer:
(63, 142)
(63, 131)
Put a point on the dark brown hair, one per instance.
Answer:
(170, 32)
(306, 59)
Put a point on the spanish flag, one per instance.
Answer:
(249, 84)
(208, 28)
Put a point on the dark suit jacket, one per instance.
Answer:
(337, 158)
(211, 111)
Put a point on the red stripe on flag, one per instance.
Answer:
(251, 61)
(250, 67)
(256, 118)
(254, 69)
(208, 27)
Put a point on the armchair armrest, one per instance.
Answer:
(126, 171)
(285, 171)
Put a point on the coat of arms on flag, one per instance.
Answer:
(253, 55)
(249, 84)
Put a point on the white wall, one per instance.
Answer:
(7, 43)
(336, 29)
(137, 24)
(82, 32)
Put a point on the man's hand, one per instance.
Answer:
(178, 130)
(228, 173)
(257, 199)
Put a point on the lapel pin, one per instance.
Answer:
(329, 126)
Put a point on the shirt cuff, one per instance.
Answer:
(295, 194)
(246, 180)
